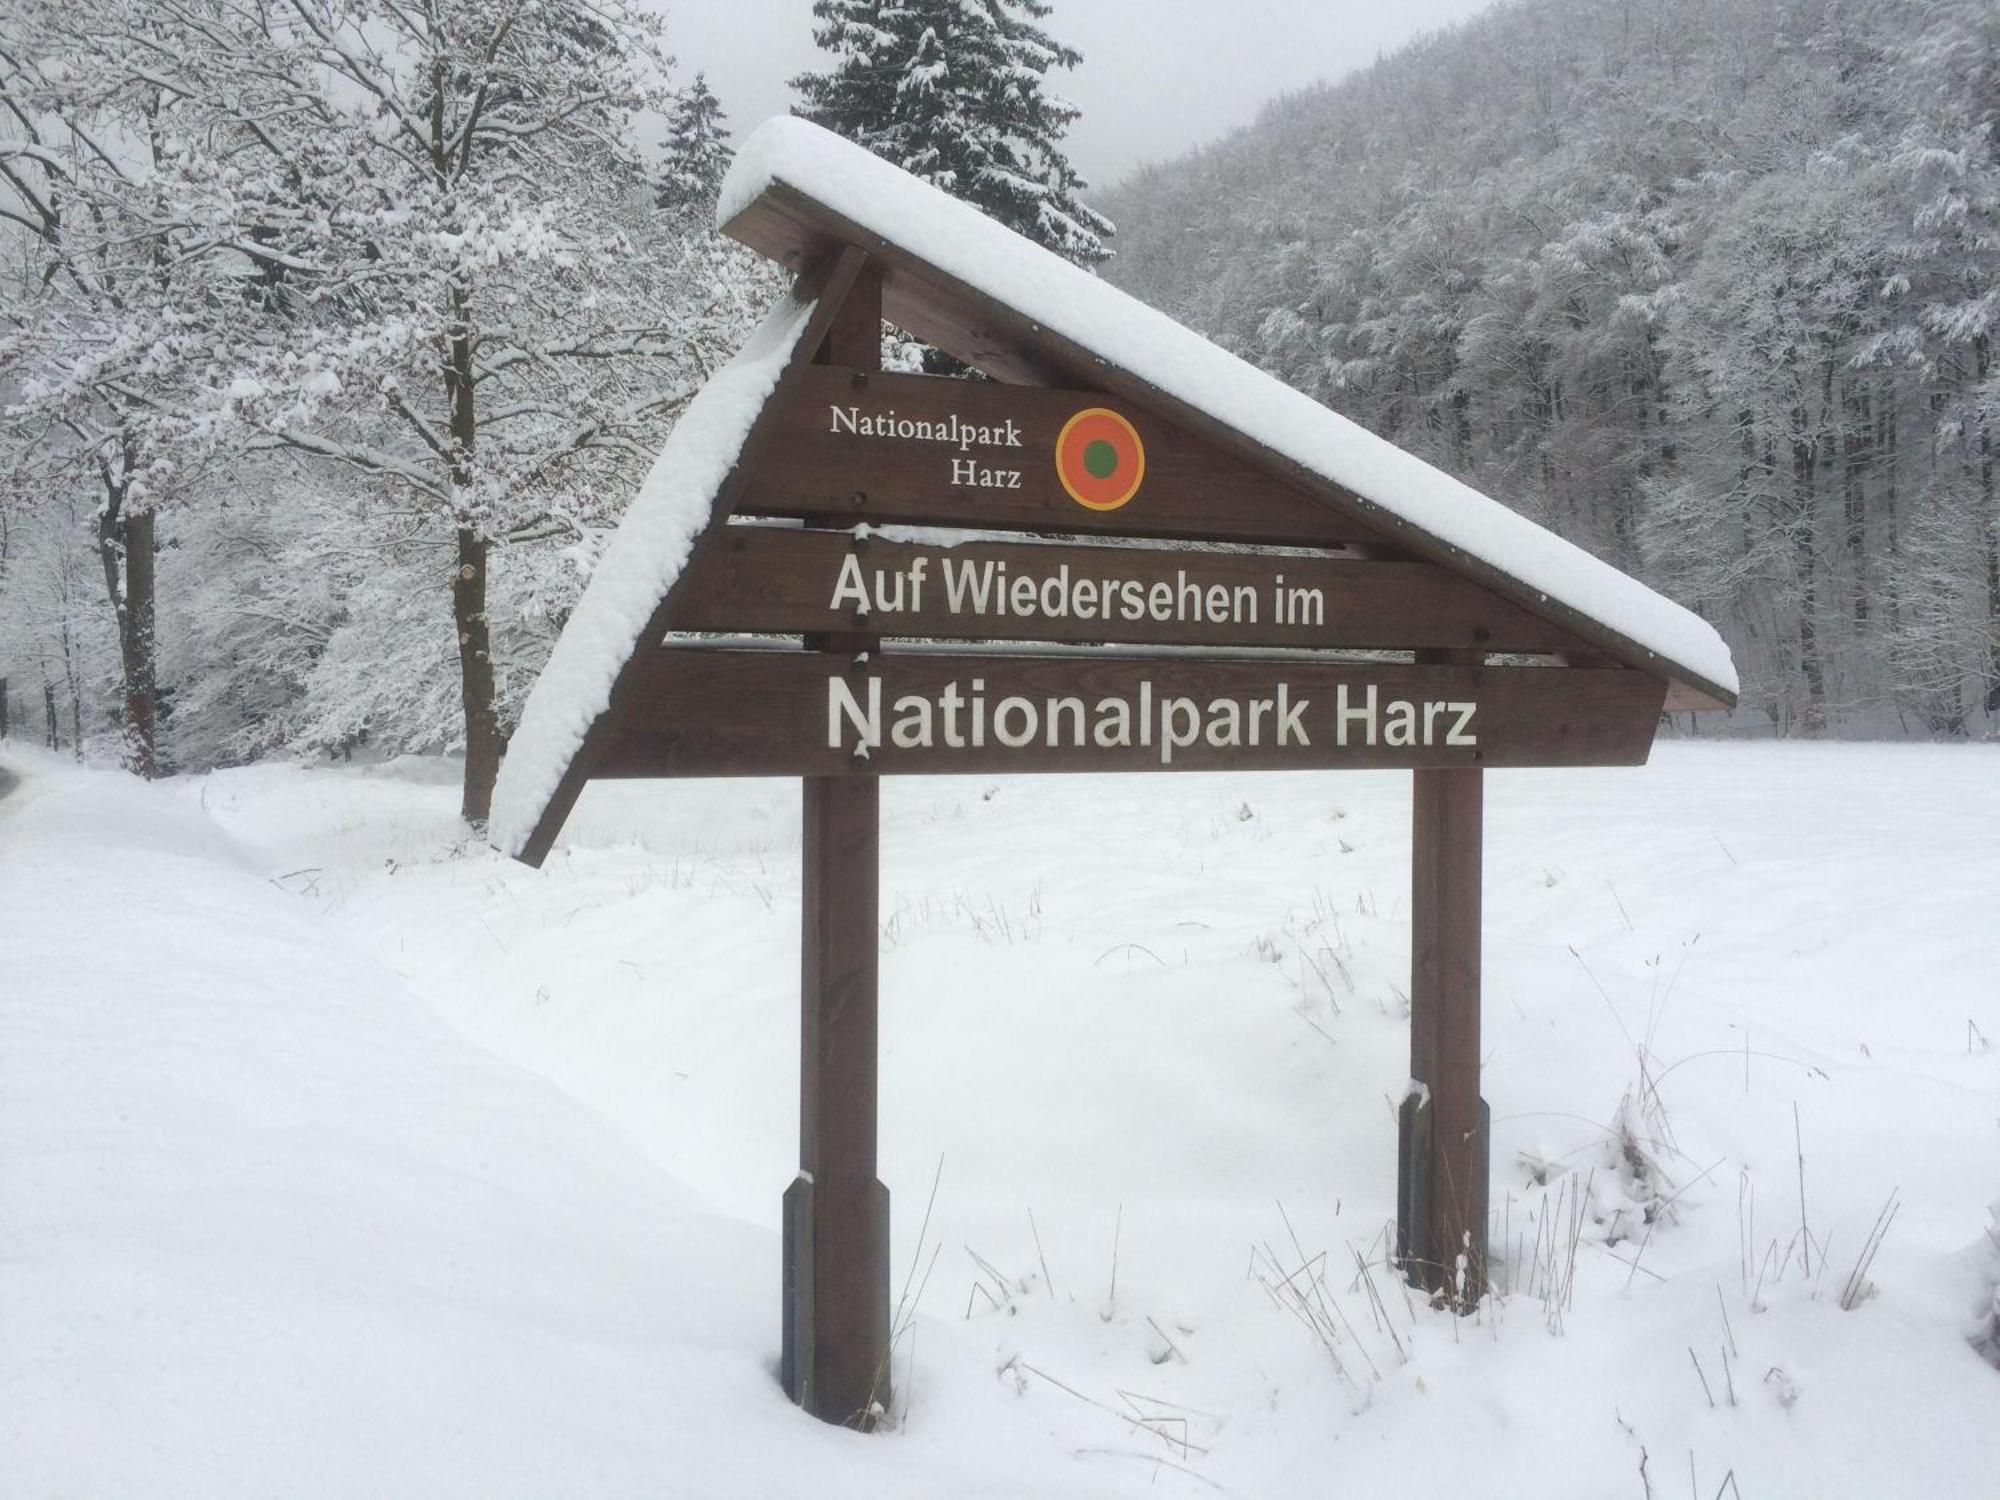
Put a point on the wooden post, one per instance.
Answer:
(1441, 1195)
(834, 1357)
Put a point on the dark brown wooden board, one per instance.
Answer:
(831, 457)
(931, 304)
(720, 712)
(792, 229)
(1447, 809)
(772, 580)
(834, 1320)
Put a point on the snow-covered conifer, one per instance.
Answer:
(697, 152)
(955, 91)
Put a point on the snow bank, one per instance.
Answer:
(267, 1228)
(270, 1227)
(966, 245)
(1151, 1009)
(645, 556)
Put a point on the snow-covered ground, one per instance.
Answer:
(341, 1156)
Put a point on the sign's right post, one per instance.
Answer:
(1443, 1164)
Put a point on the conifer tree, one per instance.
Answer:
(697, 152)
(954, 92)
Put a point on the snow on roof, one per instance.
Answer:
(645, 556)
(964, 244)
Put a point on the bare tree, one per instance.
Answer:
(479, 280)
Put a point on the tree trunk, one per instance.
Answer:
(468, 582)
(1885, 447)
(1806, 549)
(1990, 514)
(73, 680)
(141, 661)
(49, 714)
(125, 548)
(1853, 456)
(475, 671)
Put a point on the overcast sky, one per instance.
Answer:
(1158, 76)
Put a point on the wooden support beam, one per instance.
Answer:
(1441, 1197)
(836, 1317)
(834, 1355)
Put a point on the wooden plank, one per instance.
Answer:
(935, 306)
(826, 286)
(836, 1305)
(780, 713)
(770, 580)
(840, 1331)
(1685, 697)
(792, 229)
(1445, 1206)
(974, 453)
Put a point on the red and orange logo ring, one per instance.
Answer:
(1099, 459)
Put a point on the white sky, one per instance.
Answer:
(1158, 77)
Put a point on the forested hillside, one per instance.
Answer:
(1709, 287)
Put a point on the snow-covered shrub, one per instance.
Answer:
(1639, 1136)
(1986, 1329)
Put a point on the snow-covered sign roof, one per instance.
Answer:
(956, 278)
(621, 607)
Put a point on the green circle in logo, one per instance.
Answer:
(1100, 460)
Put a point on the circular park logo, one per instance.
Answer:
(1100, 459)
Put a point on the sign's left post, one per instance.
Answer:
(834, 1358)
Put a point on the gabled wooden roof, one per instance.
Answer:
(1019, 313)
(626, 609)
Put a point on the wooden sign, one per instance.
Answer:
(1189, 587)
(864, 446)
(762, 579)
(781, 713)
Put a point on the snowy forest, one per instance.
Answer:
(335, 334)
(1708, 286)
